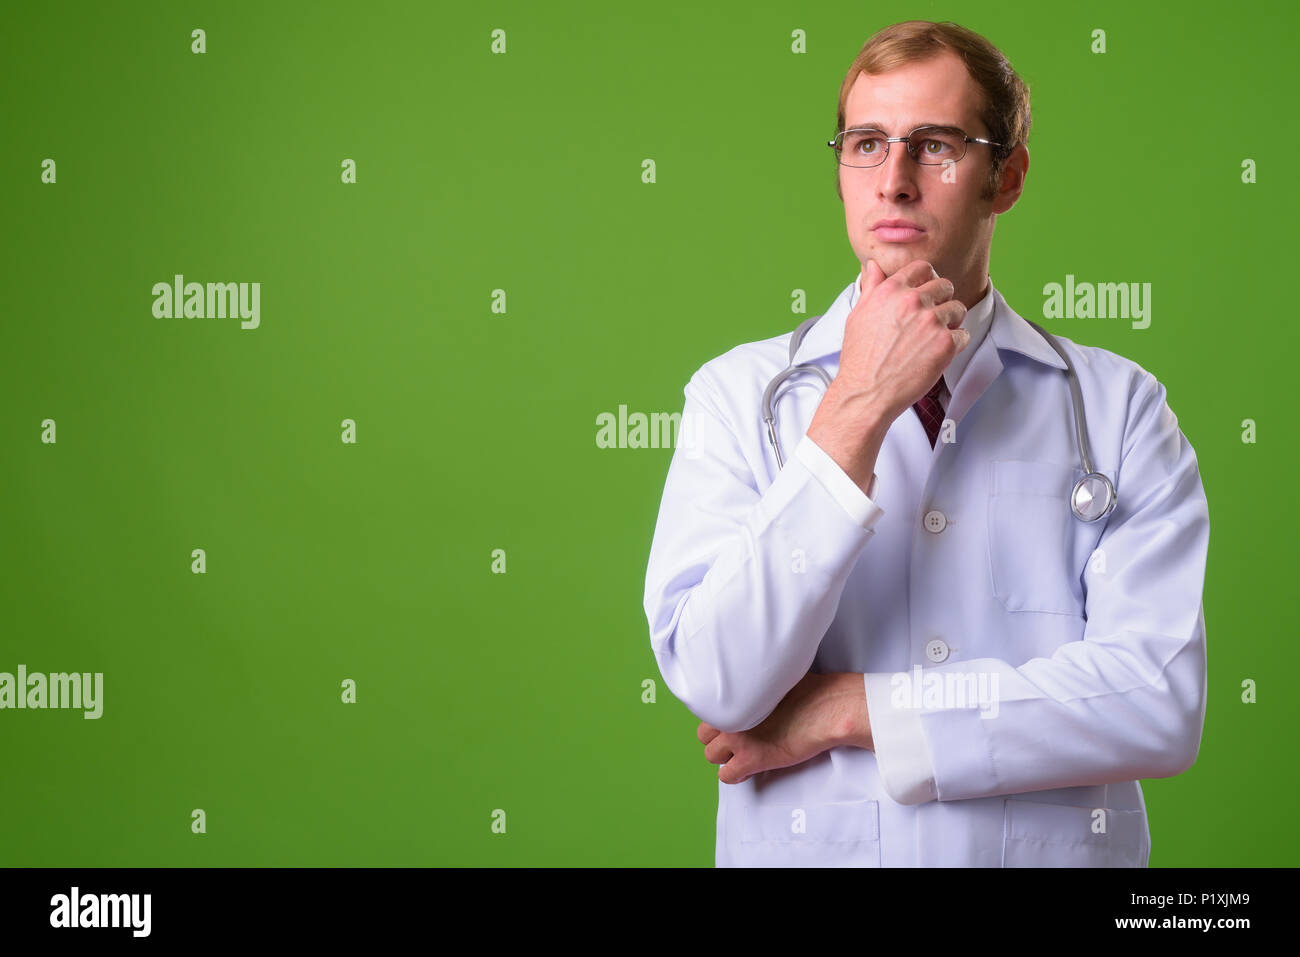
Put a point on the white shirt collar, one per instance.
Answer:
(977, 322)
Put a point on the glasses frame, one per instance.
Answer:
(905, 139)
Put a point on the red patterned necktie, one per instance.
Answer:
(930, 411)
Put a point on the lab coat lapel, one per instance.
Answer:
(980, 371)
(1007, 330)
(826, 337)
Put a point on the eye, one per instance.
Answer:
(864, 144)
(941, 143)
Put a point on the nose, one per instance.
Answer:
(896, 176)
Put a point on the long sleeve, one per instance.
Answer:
(1127, 701)
(860, 507)
(742, 585)
(898, 740)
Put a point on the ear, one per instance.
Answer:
(1012, 181)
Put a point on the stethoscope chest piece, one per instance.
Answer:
(1093, 497)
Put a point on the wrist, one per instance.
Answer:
(851, 444)
(853, 423)
(847, 723)
(865, 408)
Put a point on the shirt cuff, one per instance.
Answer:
(861, 508)
(902, 756)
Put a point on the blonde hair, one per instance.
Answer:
(1004, 106)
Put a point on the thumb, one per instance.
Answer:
(872, 276)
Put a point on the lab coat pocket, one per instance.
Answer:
(1059, 835)
(845, 834)
(1029, 537)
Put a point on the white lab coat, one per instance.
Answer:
(1092, 634)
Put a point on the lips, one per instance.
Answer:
(888, 232)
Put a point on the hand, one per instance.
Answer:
(821, 712)
(900, 336)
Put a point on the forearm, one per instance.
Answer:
(821, 711)
(842, 703)
(851, 430)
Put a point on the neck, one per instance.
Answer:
(971, 300)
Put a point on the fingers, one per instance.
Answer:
(916, 273)
(952, 313)
(731, 775)
(716, 745)
(920, 275)
(937, 292)
(718, 751)
(706, 732)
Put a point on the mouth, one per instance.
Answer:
(897, 234)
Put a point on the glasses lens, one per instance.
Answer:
(862, 148)
(936, 145)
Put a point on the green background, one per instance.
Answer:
(476, 430)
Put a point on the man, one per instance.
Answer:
(904, 647)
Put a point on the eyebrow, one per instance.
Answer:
(877, 125)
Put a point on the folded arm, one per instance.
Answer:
(741, 584)
(1126, 702)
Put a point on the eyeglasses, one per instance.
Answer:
(928, 145)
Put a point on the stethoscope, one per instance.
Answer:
(1093, 496)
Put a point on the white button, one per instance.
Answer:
(936, 650)
(935, 521)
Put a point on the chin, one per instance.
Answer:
(892, 257)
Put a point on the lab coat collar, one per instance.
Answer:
(1007, 331)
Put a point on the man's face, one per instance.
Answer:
(946, 202)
